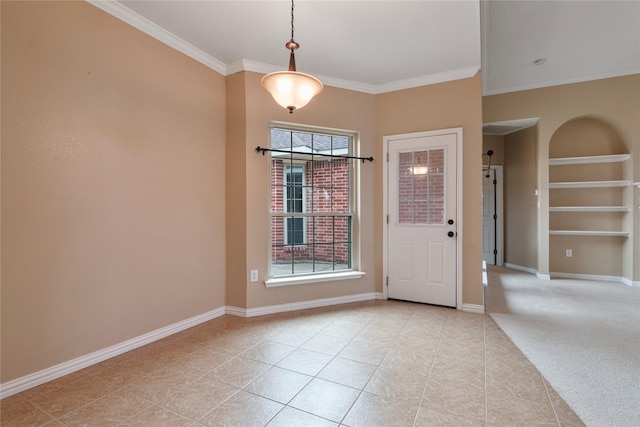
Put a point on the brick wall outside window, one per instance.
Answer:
(326, 191)
(421, 193)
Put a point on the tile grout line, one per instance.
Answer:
(341, 422)
(553, 407)
(333, 357)
(433, 362)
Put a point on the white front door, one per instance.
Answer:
(422, 218)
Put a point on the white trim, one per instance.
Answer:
(589, 233)
(611, 158)
(521, 268)
(589, 209)
(286, 171)
(558, 82)
(528, 270)
(623, 280)
(485, 276)
(312, 278)
(461, 73)
(459, 214)
(590, 184)
(262, 68)
(125, 14)
(385, 205)
(597, 277)
(143, 24)
(629, 282)
(303, 305)
(49, 374)
(473, 308)
(507, 127)
(130, 17)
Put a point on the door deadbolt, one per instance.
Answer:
(450, 222)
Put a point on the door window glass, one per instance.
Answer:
(421, 189)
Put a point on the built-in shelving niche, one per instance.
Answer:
(596, 188)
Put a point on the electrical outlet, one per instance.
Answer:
(254, 275)
(568, 253)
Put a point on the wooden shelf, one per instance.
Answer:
(589, 209)
(589, 184)
(588, 233)
(613, 158)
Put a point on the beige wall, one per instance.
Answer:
(113, 214)
(132, 197)
(520, 212)
(334, 108)
(442, 106)
(615, 101)
(495, 143)
(344, 109)
(236, 192)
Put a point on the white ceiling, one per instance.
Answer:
(380, 46)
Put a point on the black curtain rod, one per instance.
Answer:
(263, 150)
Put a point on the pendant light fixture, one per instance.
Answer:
(292, 89)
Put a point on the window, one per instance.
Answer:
(312, 202)
(421, 196)
(294, 198)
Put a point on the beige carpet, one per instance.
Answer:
(583, 336)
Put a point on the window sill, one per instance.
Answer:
(315, 278)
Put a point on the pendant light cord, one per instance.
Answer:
(292, 28)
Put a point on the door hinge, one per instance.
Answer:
(387, 157)
(495, 182)
(495, 252)
(387, 219)
(387, 280)
(495, 216)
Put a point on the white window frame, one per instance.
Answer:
(354, 192)
(286, 198)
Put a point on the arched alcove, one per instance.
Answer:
(590, 200)
(586, 136)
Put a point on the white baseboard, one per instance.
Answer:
(280, 308)
(521, 268)
(473, 308)
(630, 282)
(32, 380)
(528, 270)
(622, 280)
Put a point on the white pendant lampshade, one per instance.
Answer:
(291, 89)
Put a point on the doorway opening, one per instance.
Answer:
(492, 215)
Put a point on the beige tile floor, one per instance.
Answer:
(376, 363)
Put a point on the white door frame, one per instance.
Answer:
(385, 205)
(499, 211)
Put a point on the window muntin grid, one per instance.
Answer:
(326, 194)
(421, 187)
